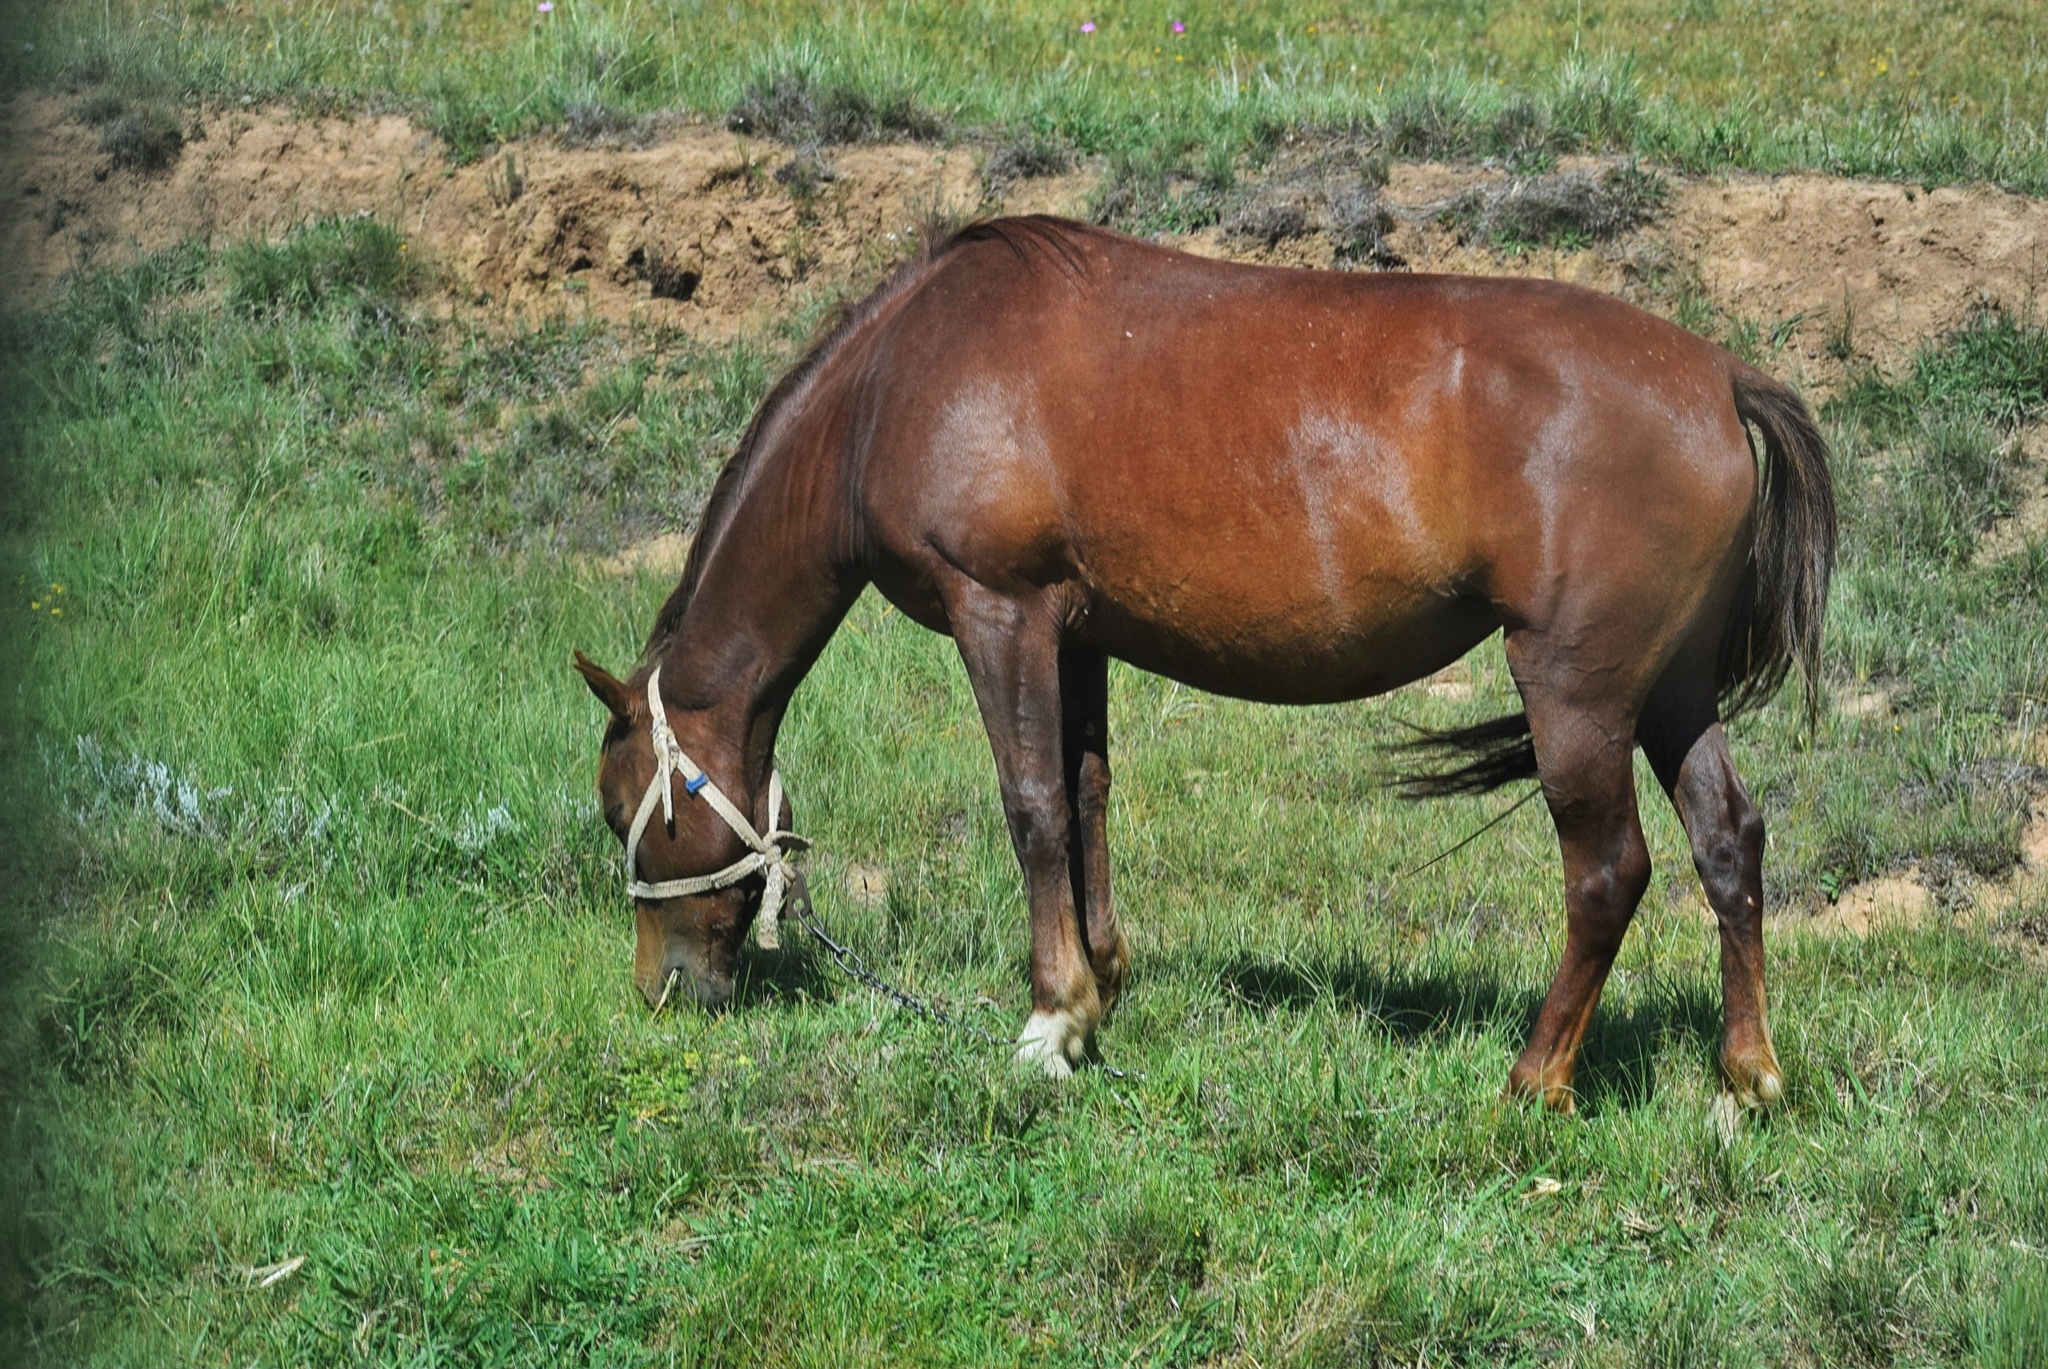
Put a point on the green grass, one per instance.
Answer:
(1879, 87)
(325, 952)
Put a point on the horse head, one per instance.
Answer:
(688, 940)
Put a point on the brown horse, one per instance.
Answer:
(1058, 444)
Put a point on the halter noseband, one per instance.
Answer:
(770, 853)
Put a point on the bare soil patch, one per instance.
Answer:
(693, 230)
(1888, 265)
(694, 226)
(1852, 271)
(663, 554)
(2013, 908)
(1898, 900)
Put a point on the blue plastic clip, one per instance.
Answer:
(692, 786)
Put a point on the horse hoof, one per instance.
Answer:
(1763, 1092)
(1053, 1042)
(1522, 1087)
(1756, 1085)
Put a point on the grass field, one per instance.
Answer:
(323, 956)
(1952, 92)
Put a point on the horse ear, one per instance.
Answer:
(611, 691)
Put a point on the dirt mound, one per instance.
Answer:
(694, 226)
(1887, 265)
(1852, 271)
(1900, 900)
(700, 229)
(70, 203)
(693, 230)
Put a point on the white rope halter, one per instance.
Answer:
(769, 853)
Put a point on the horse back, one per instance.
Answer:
(1284, 483)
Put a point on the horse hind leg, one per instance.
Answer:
(1682, 737)
(1585, 752)
(1084, 701)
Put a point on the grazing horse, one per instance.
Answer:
(1058, 444)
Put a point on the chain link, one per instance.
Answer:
(857, 969)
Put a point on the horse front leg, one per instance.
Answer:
(1011, 648)
(1084, 700)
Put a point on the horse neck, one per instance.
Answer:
(777, 578)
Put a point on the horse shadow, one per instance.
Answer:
(782, 979)
(1617, 1063)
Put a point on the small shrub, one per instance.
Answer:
(1317, 180)
(1430, 116)
(147, 140)
(1359, 225)
(101, 107)
(1572, 208)
(805, 175)
(799, 107)
(1027, 158)
(1269, 219)
(1152, 191)
(1519, 130)
(590, 124)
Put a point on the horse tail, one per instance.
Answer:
(1778, 613)
(1498, 753)
(1775, 622)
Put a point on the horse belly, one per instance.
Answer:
(1311, 651)
(1312, 565)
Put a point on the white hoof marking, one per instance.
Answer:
(1054, 1042)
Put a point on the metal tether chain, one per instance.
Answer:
(769, 856)
(857, 969)
(849, 960)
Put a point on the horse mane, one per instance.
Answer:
(1051, 237)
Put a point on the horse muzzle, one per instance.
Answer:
(678, 981)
